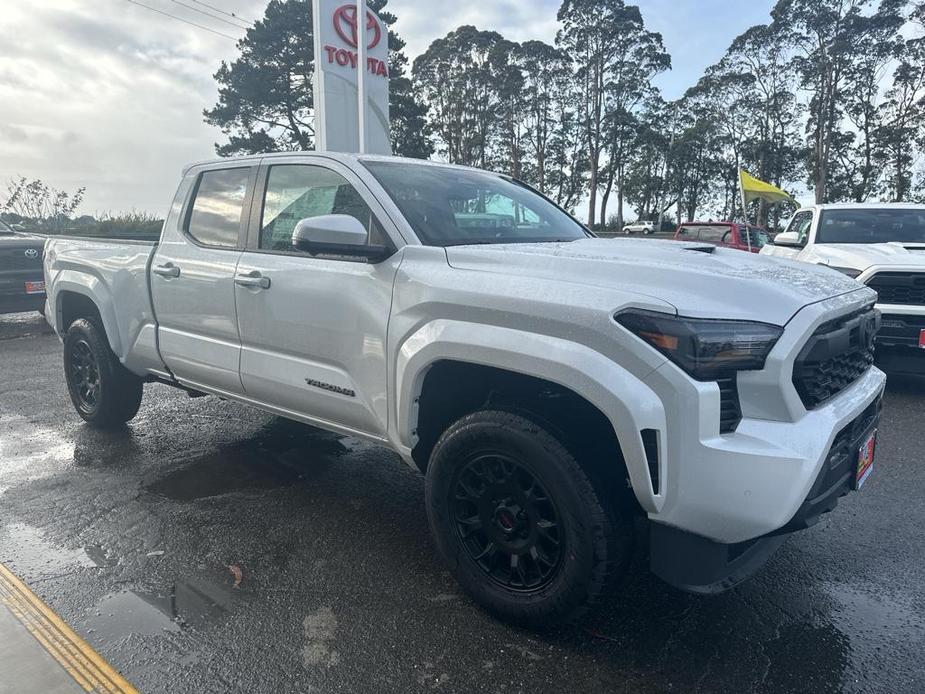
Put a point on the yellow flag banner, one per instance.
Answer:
(755, 189)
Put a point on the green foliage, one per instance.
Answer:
(35, 203)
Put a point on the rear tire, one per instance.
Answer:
(105, 393)
(519, 522)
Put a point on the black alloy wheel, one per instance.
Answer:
(85, 375)
(103, 391)
(507, 521)
(524, 529)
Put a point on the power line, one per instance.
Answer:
(207, 14)
(180, 19)
(221, 11)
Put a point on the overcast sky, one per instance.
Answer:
(109, 95)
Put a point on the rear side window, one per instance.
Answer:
(215, 217)
(707, 233)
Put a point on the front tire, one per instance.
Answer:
(519, 522)
(105, 393)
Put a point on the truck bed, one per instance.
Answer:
(101, 269)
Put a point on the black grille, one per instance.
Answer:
(729, 412)
(836, 355)
(899, 287)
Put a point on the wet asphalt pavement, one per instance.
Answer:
(211, 548)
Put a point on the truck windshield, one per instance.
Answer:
(871, 226)
(448, 206)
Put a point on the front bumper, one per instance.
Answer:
(900, 329)
(700, 565)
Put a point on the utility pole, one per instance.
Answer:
(361, 74)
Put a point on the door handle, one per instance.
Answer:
(166, 270)
(252, 280)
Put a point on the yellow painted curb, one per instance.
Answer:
(74, 654)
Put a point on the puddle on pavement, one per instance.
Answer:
(26, 550)
(193, 603)
(876, 613)
(29, 451)
(280, 455)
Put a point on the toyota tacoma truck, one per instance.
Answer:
(22, 284)
(550, 385)
(881, 245)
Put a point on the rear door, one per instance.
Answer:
(192, 276)
(313, 328)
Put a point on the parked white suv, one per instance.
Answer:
(881, 245)
(639, 227)
(549, 384)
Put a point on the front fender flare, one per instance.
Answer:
(628, 403)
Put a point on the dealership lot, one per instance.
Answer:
(207, 547)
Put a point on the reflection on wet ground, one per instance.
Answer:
(279, 455)
(209, 548)
(194, 602)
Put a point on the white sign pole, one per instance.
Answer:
(318, 102)
(361, 73)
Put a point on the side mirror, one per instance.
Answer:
(335, 234)
(788, 238)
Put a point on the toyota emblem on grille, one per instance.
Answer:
(32, 253)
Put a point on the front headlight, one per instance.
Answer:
(705, 349)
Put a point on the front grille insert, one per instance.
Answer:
(905, 288)
(836, 355)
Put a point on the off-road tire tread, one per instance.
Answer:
(121, 389)
(610, 526)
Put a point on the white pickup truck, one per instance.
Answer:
(550, 385)
(881, 245)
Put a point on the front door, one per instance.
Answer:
(192, 279)
(313, 329)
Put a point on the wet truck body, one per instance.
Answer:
(550, 385)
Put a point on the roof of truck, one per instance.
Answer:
(343, 157)
(864, 205)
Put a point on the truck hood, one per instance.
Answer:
(860, 256)
(698, 280)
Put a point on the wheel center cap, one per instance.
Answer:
(506, 518)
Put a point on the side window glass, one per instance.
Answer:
(801, 224)
(215, 217)
(298, 191)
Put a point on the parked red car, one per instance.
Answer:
(726, 234)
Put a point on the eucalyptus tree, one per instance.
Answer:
(639, 56)
(823, 35)
(548, 93)
(459, 78)
(604, 40)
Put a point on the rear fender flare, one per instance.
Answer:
(90, 286)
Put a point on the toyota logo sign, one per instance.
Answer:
(345, 24)
(32, 253)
